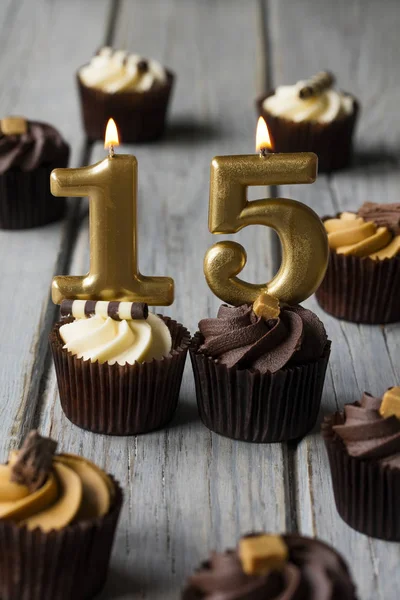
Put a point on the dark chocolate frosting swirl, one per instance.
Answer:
(366, 434)
(383, 215)
(41, 145)
(314, 571)
(238, 337)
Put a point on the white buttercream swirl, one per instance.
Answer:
(106, 340)
(323, 108)
(117, 71)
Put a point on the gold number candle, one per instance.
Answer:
(301, 232)
(114, 275)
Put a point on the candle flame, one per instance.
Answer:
(111, 137)
(263, 140)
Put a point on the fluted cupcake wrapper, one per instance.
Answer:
(253, 407)
(140, 116)
(366, 492)
(61, 564)
(116, 399)
(26, 201)
(361, 290)
(332, 142)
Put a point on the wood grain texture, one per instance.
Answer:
(306, 37)
(187, 491)
(37, 38)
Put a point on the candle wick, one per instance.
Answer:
(111, 150)
(264, 152)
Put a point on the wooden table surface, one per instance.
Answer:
(187, 490)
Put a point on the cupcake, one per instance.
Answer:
(58, 516)
(362, 283)
(119, 368)
(273, 567)
(310, 116)
(29, 151)
(129, 88)
(259, 370)
(363, 444)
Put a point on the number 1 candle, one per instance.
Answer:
(114, 274)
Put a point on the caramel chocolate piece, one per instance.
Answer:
(316, 85)
(390, 405)
(34, 461)
(260, 554)
(266, 306)
(13, 126)
(116, 310)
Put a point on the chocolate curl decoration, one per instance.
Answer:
(115, 310)
(34, 461)
(316, 85)
(383, 215)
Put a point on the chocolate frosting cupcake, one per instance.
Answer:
(238, 337)
(366, 434)
(363, 444)
(41, 145)
(312, 571)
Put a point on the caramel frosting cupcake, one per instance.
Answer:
(127, 87)
(273, 567)
(312, 116)
(362, 283)
(29, 151)
(119, 368)
(52, 508)
(259, 370)
(363, 444)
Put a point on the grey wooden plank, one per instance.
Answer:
(187, 491)
(359, 43)
(40, 45)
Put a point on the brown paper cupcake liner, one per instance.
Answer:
(26, 201)
(361, 290)
(332, 142)
(61, 564)
(253, 407)
(140, 116)
(120, 400)
(366, 492)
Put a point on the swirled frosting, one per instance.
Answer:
(323, 108)
(74, 489)
(366, 434)
(369, 235)
(313, 571)
(238, 337)
(117, 71)
(103, 339)
(41, 145)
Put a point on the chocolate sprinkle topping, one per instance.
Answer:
(34, 461)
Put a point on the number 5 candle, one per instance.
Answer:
(304, 242)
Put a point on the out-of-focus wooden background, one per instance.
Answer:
(187, 490)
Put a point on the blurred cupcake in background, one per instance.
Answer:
(311, 116)
(273, 567)
(128, 88)
(58, 516)
(363, 444)
(362, 282)
(29, 151)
